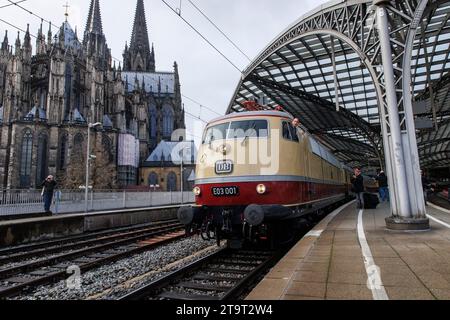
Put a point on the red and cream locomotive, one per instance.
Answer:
(257, 171)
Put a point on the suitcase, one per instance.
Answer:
(371, 201)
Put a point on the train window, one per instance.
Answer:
(289, 132)
(248, 128)
(215, 133)
(286, 131)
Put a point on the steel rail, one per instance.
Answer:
(89, 240)
(93, 258)
(180, 278)
(82, 237)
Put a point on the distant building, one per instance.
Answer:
(48, 98)
(162, 170)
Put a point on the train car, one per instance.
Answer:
(258, 176)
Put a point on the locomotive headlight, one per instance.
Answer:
(197, 191)
(261, 189)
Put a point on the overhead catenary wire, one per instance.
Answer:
(220, 30)
(202, 36)
(16, 27)
(174, 10)
(32, 13)
(12, 4)
(17, 4)
(201, 105)
(32, 35)
(186, 112)
(43, 19)
(195, 117)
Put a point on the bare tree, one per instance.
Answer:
(104, 173)
(74, 175)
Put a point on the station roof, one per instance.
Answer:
(299, 75)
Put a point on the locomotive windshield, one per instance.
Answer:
(216, 133)
(237, 130)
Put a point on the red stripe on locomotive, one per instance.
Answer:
(283, 193)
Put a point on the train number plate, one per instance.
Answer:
(225, 191)
(224, 167)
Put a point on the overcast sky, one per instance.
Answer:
(205, 76)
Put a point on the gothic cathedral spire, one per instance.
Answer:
(94, 40)
(138, 56)
(94, 21)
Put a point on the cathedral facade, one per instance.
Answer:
(49, 95)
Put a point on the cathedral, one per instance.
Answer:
(50, 94)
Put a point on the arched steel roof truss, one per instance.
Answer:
(327, 69)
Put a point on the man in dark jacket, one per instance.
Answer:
(48, 186)
(383, 186)
(358, 187)
(426, 185)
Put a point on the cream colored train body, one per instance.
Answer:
(254, 170)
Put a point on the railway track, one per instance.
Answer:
(224, 275)
(440, 200)
(86, 254)
(72, 243)
(19, 252)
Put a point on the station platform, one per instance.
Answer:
(351, 255)
(26, 230)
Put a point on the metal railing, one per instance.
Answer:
(16, 202)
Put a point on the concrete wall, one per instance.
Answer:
(37, 229)
(101, 222)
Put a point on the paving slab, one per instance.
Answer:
(330, 263)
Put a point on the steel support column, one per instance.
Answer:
(394, 149)
(415, 180)
(336, 82)
(407, 214)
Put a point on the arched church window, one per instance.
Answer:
(153, 114)
(68, 90)
(42, 159)
(168, 120)
(25, 159)
(63, 146)
(78, 144)
(153, 179)
(107, 147)
(172, 182)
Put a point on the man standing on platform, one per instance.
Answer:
(426, 185)
(358, 187)
(48, 190)
(383, 186)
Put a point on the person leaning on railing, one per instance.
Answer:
(48, 189)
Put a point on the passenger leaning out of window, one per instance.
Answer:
(297, 125)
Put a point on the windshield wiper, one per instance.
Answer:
(247, 134)
(210, 142)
